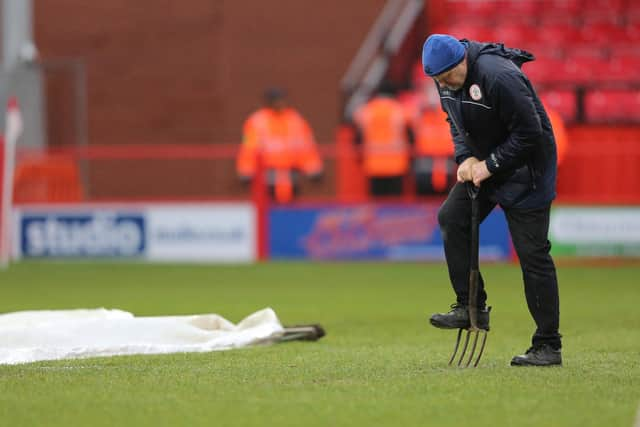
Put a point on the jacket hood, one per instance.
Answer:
(476, 49)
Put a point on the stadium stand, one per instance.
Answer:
(580, 45)
(586, 56)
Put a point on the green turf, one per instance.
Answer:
(381, 364)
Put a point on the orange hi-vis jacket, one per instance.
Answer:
(284, 141)
(383, 123)
(433, 134)
(433, 139)
(559, 132)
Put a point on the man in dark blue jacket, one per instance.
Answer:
(504, 144)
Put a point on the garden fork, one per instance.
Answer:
(472, 305)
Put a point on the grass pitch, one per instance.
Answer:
(380, 364)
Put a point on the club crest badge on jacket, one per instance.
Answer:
(475, 92)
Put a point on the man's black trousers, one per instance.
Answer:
(529, 233)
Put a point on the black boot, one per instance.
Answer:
(458, 318)
(539, 355)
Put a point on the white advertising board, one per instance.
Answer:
(203, 232)
(595, 231)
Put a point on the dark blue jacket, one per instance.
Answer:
(497, 117)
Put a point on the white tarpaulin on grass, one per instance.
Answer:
(30, 336)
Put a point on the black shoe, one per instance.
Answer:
(458, 318)
(539, 355)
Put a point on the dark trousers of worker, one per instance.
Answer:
(529, 230)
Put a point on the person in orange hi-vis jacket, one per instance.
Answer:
(560, 133)
(434, 164)
(284, 141)
(383, 129)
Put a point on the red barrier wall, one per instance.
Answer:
(601, 166)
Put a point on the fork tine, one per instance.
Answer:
(455, 349)
(464, 348)
(473, 348)
(484, 341)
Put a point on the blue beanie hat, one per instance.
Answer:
(441, 53)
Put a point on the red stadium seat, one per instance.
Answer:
(560, 11)
(464, 11)
(471, 32)
(618, 6)
(612, 105)
(563, 101)
(632, 13)
(558, 34)
(603, 11)
(518, 11)
(623, 69)
(603, 34)
(625, 50)
(585, 71)
(580, 52)
(633, 31)
(564, 6)
(545, 70)
(539, 49)
(597, 17)
(515, 35)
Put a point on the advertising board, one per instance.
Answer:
(373, 231)
(210, 232)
